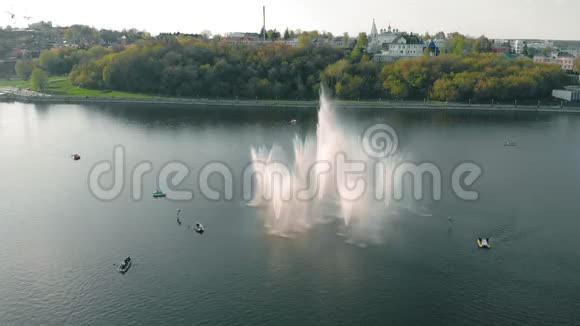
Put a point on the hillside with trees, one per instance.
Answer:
(477, 77)
(194, 66)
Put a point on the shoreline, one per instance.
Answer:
(295, 104)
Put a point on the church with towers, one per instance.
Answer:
(387, 45)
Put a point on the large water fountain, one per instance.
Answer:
(295, 193)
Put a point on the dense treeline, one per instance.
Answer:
(478, 77)
(192, 67)
(189, 66)
(61, 61)
(459, 44)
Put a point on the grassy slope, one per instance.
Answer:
(15, 83)
(58, 85)
(61, 86)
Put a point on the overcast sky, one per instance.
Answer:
(549, 19)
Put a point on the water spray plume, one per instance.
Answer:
(287, 213)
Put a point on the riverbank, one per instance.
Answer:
(15, 91)
(61, 86)
(265, 104)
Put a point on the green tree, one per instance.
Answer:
(481, 45)
(457, 44)
(440, 36)
(60, 61)
(547, 51)
(109, 36)
(444, 90)
(333, 73)
(50, 60)
(206, 34)
(345, 39)
(81, 35)
(306, 38)
(412, 38)
(286, 34)
(24, 68)
(525, 50)
(350, 86)
(273, 34)
(396, 88)
(578, 64)
(359, 48)
(38, 80)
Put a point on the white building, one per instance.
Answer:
(540, 45)
(255, 39)
(518, 46)
(569, 93)
(575, 52)
(336, 42)
(389, 45)
(566, 61)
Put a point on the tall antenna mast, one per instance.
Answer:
(264, 26)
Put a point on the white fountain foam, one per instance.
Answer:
(361, 219)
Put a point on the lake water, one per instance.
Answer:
(59, 244)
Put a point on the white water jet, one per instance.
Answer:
(360, 220)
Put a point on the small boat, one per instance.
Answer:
(124, 266)
(483, 243)
(158, 194)
(508, 143)
(198, 228)
(76, 157)
(293, 121)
